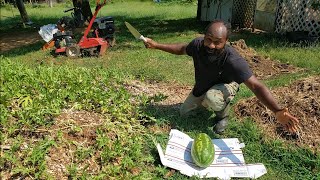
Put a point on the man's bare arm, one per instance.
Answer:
(264, 95)
(177, 48)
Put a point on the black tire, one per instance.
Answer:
(73, 51)
(53, 53)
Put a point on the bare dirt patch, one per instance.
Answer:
(77, 131)
(174, 93)
(12, 40)
(262, 66)
(303, 100)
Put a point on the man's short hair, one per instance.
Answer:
(219, 21)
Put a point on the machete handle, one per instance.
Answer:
(142, 38)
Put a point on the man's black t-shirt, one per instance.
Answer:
(211, 69)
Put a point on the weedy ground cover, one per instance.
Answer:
(63, 118)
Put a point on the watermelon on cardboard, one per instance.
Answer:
(202, 150)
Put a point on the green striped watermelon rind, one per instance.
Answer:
(202, 150)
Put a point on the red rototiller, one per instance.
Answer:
(100, 39)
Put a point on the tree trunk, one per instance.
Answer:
(199, 9)
(50, 3)
(85, 11)
(23, 12)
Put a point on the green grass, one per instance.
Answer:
(279, 49)
(35, 87)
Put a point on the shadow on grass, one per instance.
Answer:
(200, 120)
(268, 39)
(148, 25)
(15, 23)
(17, 40)
(22, 50)
(153, 27)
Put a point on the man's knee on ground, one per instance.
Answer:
(190, 104)
(214, 100)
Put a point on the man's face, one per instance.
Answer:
(213, 43)
(215, 39)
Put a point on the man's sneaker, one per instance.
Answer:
(221, 125)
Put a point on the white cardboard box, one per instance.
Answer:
(228, 161)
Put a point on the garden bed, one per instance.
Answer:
(303, 100)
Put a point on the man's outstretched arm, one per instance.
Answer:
(265, 96)
(178, 48)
